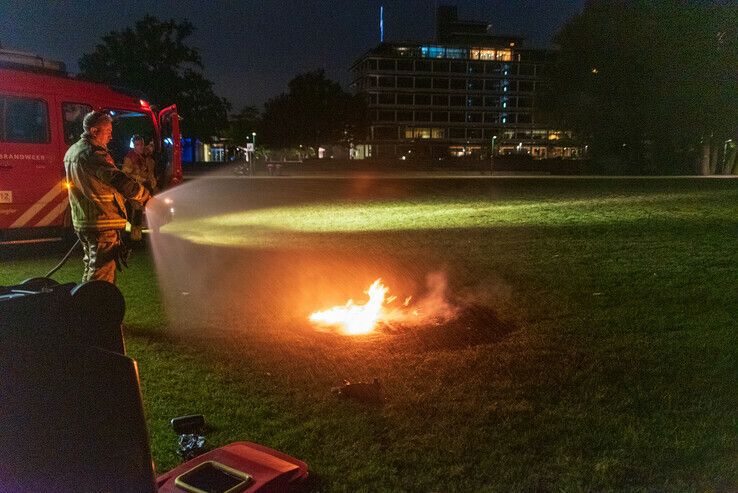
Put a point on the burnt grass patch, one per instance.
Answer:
(473, 325)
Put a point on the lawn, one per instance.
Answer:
(595, 344)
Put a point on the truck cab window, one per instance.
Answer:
(126, 124)
(73, 115)
(24, 120)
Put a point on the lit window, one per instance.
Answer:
(457, 53)
(504, 55)
(437, 133)
(483, 54)
(419, 132)
(432, 51)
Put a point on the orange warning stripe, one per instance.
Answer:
(40, 204)
(54, 213)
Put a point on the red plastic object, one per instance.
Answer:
(272, 471)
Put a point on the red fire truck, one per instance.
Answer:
(41, 112)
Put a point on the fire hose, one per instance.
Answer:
(123, 250)
(121, 256)
(63, 260)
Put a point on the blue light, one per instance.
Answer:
(381, 24)
(443, 52)
(432, 51)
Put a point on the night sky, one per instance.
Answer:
(251, 49)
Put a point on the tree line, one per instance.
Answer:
(649, 87)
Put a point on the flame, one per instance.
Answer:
(355, 319)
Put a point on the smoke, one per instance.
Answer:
(432, 307)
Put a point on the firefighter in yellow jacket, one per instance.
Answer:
(97, 194)
(138, 165)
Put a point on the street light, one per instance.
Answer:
(492, 155)
(252, 163)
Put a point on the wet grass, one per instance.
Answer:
(597, 348)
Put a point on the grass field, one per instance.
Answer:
(595, 347)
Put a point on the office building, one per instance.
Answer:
(459, 96)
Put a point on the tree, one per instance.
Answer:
(154, 58)
(243, 124)
(315, 111)
(650, 83)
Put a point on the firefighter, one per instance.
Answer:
(136, 165)
(97, 194)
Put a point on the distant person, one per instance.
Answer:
(138, 166)
(139, 163)
(97, 194)
(151, 181)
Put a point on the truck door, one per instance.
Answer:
(32, 192)
(171, 146)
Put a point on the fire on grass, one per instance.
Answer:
(380, 310)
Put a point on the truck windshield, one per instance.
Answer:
(126, 124)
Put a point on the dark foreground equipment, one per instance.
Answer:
(71, 413)
(251, 466)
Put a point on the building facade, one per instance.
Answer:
(464, 95)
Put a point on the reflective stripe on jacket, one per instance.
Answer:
(98, 189)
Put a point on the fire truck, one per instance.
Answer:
(41, 113)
